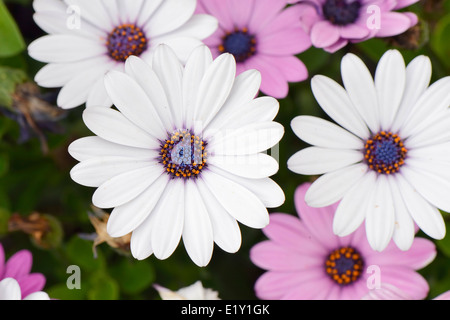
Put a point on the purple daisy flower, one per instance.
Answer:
(332, 24)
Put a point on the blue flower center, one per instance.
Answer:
(344, 265)
(183, 155)
(341, 12)
(126, 40)
(385, 152)
(240, 44)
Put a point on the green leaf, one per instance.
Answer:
(439, 39)
(12, 41)
(61, 292)
(102, 287)
(4, 163)
(9, 79)
(133, 276)
(80, 253)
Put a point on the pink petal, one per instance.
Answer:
(273, 82)
(263, 12)
(336, 46)
(393, 23)
(324, 34)
(355, 291)
(308, 16)
(353, 31)
(291, 67)
(405, 279)
(240, 11)
(274, 285)
(218, 9)
(19, 264)
(443, 296)
(317, 289)
(319, 221)
(31, 283)
(284, 42)
(288, 18)
(288, 231)
(272, 256)
(421, 253)
(2, 262)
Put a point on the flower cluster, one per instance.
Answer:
(181, 99)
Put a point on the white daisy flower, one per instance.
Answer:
(389, 162)
(195, 291)
(87, 38)
(10, 290)
(184, 155)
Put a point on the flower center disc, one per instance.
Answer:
(385, 153)
(126, 40)
(183, 154)
(344, 265)
(341, 12)
(240, 44)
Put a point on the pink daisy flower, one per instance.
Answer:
(261, 35)
(332, 24)
(306, 260)
(18, 267)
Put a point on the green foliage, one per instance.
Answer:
(12, 41)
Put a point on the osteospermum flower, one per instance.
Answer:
(304, 259)
(389, 162)
(261, 35)
(334, 23)
(184, 155)
(195, 291)
(10, 290)
(18, 268)
(88, 38)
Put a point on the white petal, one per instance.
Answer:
(144, 75)
(38, 295)
(267, 190)
(315, 160)
(194, 71)
(322, 133)
(260, 109)
(130, 10)
(111, 125)
(390, 79)
(93, 12)
(98, 97)
(427, 216)
(226, 232)
(252, 138)
(170, 72)
(214, 88)
(129, 216)
(350, 213)
(380, 216)
(331, 187)
(133, 103)
(147, 11)
(360, 87)
(199, 26)
(10, 289)
(435, 132)
(94, 172)
(436, 152)
(49, 6)
(65, 48)
(140, 242)
(255, 166)
(245, 88)
(197, 229)
(78, 89)
(434, 100)
(239, 202)
(55, 75)
(181, 46)
(93, 147)
(334, 100)
(404, 229)
(432, 183)
(170, 15)
(168, 220)
(125, 187)
(418, 75)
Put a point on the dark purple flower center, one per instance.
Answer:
(240, 43)
(183, 154)
(341, 12)
(344, 265)
(126, 40)
(385, 152)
